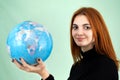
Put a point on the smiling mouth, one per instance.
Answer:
(80, 39)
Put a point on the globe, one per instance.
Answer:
(30, 41)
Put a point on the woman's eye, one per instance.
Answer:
(74, 26)
(87, 27)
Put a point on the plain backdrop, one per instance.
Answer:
(55, 15)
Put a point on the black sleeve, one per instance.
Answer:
(50, 77)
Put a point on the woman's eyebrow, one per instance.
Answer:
(86, 24)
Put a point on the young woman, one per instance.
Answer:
(91, 48)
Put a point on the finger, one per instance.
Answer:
(26, 66)
(39, 61)
(23, 62)
(17, 63)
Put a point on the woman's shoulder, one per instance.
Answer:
(105, 61)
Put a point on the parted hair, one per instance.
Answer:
(103, 43)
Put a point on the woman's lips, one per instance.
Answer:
(80, 39)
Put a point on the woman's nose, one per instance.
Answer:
(80, 31)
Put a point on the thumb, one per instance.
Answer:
(41, 64)
(39, 61)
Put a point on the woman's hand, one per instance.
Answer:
(39, 68)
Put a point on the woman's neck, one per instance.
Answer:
(86, 48)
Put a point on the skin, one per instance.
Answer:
(82, 33)
(39, 68)
(83, 37)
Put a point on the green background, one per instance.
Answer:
(55, 15)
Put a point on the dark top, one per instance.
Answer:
(93, 66)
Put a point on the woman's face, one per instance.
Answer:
(82, 32)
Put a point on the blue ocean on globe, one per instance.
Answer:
(30, 41)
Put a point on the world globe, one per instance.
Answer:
(30, 41)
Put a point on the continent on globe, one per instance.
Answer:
(29, 40)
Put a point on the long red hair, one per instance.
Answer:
(103, 43)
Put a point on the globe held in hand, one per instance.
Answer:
(29, 40)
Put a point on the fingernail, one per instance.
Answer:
(19, 58)
(12, 60)
(38, 59)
